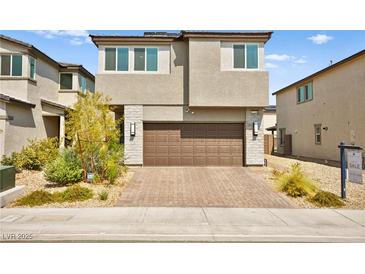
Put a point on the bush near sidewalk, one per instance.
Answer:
(40, 197)
(296, 184)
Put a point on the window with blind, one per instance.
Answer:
(305, 93)
(245, 56)
(11, 65)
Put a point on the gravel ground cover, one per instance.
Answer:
(34, 180)
(327, 178)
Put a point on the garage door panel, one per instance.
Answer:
(193, 144)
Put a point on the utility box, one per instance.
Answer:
(7, 177)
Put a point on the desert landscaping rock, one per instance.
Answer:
(327, 178)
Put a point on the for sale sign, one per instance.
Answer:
(354, 164)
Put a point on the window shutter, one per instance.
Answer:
(152, 59)
(123, 60)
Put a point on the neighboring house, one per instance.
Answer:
(188, 99)
(35, 90)
(324, 109)
(270, 119)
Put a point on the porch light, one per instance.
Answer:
(255, 128)
(133, 128)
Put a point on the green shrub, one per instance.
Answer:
(65, 169)
(36, 154)
(36, 198)
(77, 193)
(295, 183)
(326, 199)
(103, 195)
(11, 161)
(41, 197)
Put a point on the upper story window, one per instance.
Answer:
(66, 81)
(11, 65)
(82, 83)
(116, 59)
(305, 93)
(32, 68)
(145, 59)
(136, 59)
(245, 56)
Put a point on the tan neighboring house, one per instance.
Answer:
(188, 99)
(324, 109)
(270, 120)
(35, 90)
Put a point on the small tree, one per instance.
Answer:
(95, 137)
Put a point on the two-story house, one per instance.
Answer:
(188, 99)
(323, 109)
(35, 90)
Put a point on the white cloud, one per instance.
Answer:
(271, 65)
(300, 60)
(278, 57)
(320, 39)
(77, 37)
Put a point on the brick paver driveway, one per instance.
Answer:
(200, 187)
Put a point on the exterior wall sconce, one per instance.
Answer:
(133, 129)
(255, 128)
(325, 128)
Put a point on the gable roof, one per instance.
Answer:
(334, 66)
(170, 37)
(38, 52)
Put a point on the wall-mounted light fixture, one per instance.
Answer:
(325, 128)
(133, 128)
(255, 128)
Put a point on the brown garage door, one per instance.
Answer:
(193, 144)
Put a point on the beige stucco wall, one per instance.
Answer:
(179, 114)
(209, 85)
(338, 103)
(148, 88)
(269, 120)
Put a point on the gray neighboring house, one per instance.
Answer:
(188, 99)
(35, 90)
(323, 109)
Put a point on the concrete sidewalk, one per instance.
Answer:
(153, 224)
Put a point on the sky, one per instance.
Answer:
(289, 55)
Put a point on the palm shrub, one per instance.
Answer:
(65, 169)
(92, 130)
(295, 183)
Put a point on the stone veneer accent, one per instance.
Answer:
(254, 145)
(133, 146)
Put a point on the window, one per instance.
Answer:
(139, 59)
(11, 65)
(282, 136)
(152, 59)
(123, 59)
(239, 56)
(82, 83)
(32, 68)
(66, 81)
(143, 63)
(245, 56)
(317, 134)
(305, 93)
(252, 56)
(110, 58)
(5, 64)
